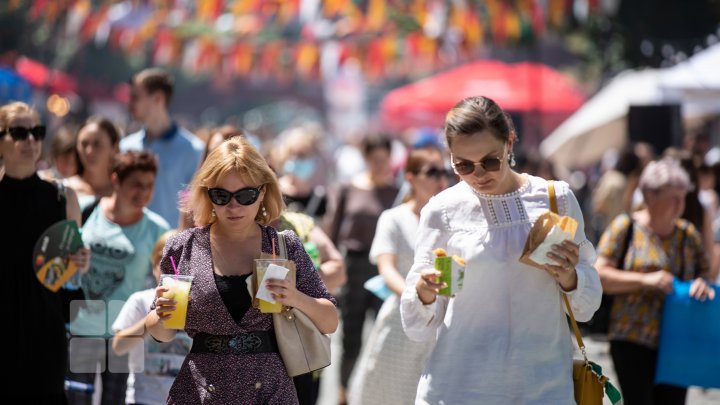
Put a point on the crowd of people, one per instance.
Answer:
(164, 201)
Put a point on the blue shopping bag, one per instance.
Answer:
(377, 286)
(689, 353)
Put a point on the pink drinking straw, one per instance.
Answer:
(273, 248)
(172, 261)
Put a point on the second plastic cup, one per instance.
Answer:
(179, 290)
(260, 266)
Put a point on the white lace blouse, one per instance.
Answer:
(504, 338)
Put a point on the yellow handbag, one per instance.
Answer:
(588, 380)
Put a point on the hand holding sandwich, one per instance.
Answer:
(566, 254)
(549, 246)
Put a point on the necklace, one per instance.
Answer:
(238, 264)
(220, 265)
(215, 252)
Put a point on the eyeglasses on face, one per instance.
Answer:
(244, 196)
(436, 173)
(22, 133)
(490, 164)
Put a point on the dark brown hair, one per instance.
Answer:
(473, 115)
(63, 142)
(370, 143)
(127, 163)
(107, 126)
(417, 158)
(154, 80)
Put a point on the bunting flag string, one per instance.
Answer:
(286, 38)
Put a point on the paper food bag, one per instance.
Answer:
(549, 229)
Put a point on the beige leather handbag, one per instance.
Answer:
(302, 346)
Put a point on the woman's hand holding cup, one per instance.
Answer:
(284, 291)
(163, 304)
(427, 286)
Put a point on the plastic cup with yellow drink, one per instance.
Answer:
(452, 272)
(178, 290)
(261, 266)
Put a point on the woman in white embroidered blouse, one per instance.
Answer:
(504, 338)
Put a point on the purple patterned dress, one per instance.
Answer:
(251, 378)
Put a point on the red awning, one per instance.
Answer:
(521, 88)
(42, 76)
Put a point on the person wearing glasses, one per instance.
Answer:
(326, 258)
(235, 195)
(34, 316)
(389, 366)
(504, 338)
(121, 232)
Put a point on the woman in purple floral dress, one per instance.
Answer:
(233, 196)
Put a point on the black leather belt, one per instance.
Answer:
(251, 342)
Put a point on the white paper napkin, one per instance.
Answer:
(554, 237)
(273, 271)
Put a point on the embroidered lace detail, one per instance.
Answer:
(500, 213)
(493, 214)
(521, 209)
(506, 209)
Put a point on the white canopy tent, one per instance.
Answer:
(701, 72)
(600, 124)
(696, 82)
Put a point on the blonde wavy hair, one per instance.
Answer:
(236, 154)
(16, 109)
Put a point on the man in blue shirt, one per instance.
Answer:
(177, 150)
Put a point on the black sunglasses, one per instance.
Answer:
(492, 164)
(436, 173)
(244, 196)
(22, 133)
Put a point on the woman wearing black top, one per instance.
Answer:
(35, 346)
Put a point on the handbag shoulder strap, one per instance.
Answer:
(578, 336)
(626, 243)
(682, 252)
(282, 246)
